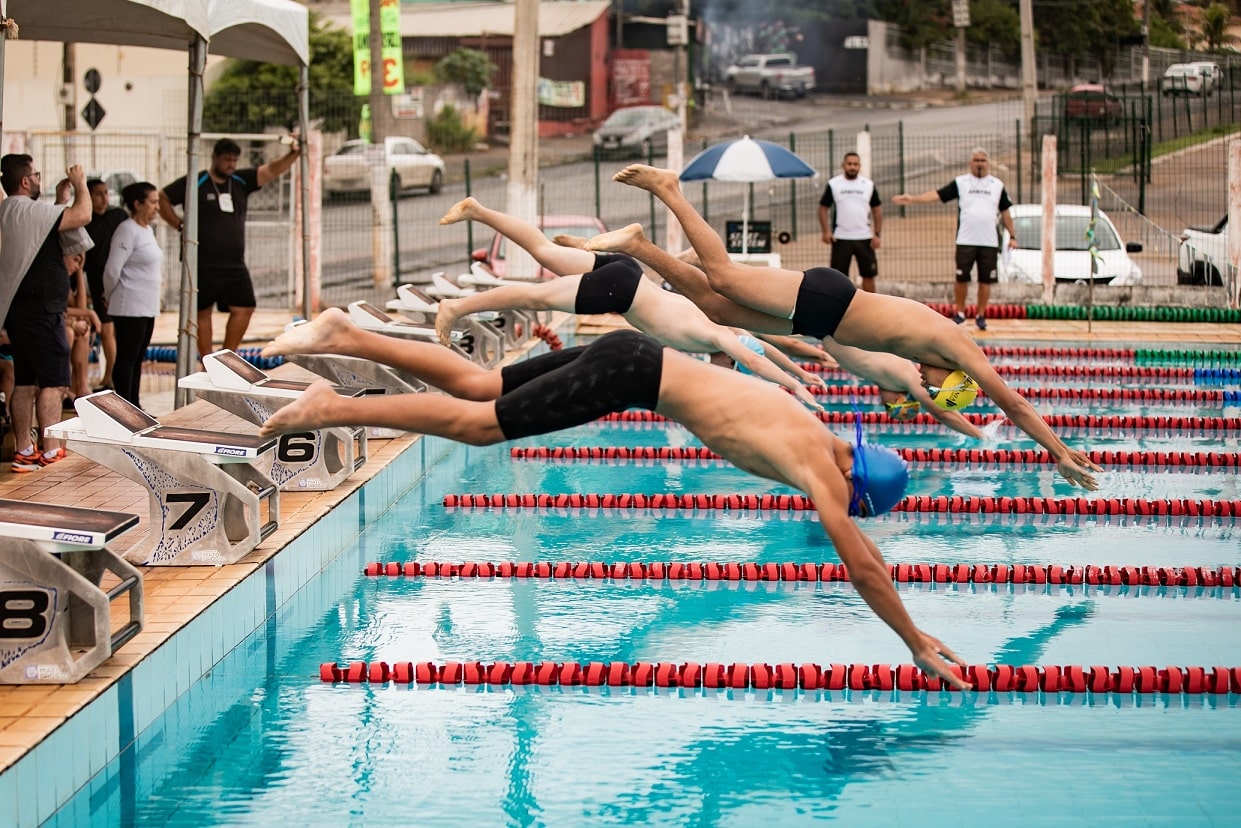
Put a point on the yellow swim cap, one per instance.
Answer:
(957, 392)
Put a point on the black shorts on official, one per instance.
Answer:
(225, 289)
(822, 299)
(986, 258)
(562, 389)
(611, 286)
(846, 250)
(40, 348)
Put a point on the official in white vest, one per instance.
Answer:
(981, 198)
(851, 216)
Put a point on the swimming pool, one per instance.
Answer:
(260, 740)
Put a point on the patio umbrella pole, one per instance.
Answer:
(187, 324)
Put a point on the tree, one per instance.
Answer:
(995, 23)
(251, 96)
(1093, 28)
(1215, 20)
(468, 67)
(922, 22)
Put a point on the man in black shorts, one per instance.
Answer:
(758, 428)
(851, 216)
(823, 302)
(981, 198)
(103, 223)
(223, 278)
(34, 295)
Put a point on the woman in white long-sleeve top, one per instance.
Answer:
(131, 285)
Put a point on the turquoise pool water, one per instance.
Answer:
(261, 741)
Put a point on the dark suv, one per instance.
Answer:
(1093, 102)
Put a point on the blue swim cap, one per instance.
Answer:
(755, 346)
(880, 478)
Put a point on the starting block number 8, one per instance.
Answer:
(24, 614)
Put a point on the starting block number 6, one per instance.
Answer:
(297, 447)
(23, 614)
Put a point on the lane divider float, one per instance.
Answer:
(1197, 396)
(916, 573)
(1118, 372)
(912, 503)
(990, 457)
(1125, 421)
(1190, 680)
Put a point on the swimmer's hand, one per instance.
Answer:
(813, 380)
(1075, 467)
(806, 398)
(991, 431)
(929, 660)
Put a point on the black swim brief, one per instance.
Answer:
(822, 300)
(619, 370)
(611, 286)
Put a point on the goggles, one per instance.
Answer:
(903, 409)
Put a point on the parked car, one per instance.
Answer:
(1183, 79)
(1093, 102)
(636, 130)
(1071, 262)
(1210, 72)
(1203, 252)
(771, 76)
(493, 255)
(349, 169)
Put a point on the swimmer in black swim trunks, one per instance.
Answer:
(761, 429)
(823, 302)
(608, 283)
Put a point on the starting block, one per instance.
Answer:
(313, 461)
(473, 340)
(443, 288)
(55, 619)
(513, 325)
(208, 503)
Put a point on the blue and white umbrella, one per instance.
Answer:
(746, 160)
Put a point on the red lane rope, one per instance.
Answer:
(1066, 371)
(1190, 680)
(1055, 420)
(1160, 395)
(936, 455)
(802, 503)
(912, 503)
(1156, 576)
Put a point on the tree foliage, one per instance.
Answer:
(1214, 29)
(251, 96)
(995, 23)
(921, 22)
(468, 67)
(1081, 29)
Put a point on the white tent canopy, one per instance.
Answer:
(272, 31)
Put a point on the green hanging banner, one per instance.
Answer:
(393, 75)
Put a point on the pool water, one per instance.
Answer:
(261, 741)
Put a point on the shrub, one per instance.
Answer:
(447, 132)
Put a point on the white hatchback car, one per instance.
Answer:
(1071, 262)
(349, 169)
(1203, 254)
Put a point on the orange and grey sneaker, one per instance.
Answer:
(47, 458)
(23, 463)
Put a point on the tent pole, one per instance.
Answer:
(303, 120)
(4, 18)
(187, 327)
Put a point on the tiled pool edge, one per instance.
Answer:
(50, 773)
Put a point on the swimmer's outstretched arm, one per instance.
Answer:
(801, 349)
(726, 341)
(788, 366)
(952, 419)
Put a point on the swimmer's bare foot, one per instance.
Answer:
(327, 333)
(624, 240)
(445, 318)
(565, 240)
(651, 179)
(465, 209)
(310, 411)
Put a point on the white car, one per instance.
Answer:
(1203, 252)
(1071, 261)
(1184, 79)
(349, 169)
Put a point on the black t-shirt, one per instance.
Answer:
(45, 287)
(101, 227)
(221, 235)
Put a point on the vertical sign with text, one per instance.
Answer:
(393, 76)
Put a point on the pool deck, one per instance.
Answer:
(175, 595)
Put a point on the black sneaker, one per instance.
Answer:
(981, 322)
(959, 318)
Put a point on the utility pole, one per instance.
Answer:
(1029, 82)
(68, 70)
(961, 20)
(523, 151)
(1146, 44)
(381, 110)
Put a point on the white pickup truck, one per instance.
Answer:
(771, 76)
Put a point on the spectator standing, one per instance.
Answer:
(34, 295)
(851, 216)
(131, 281)
(104, 220)
(223, 278)
(981, 198)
